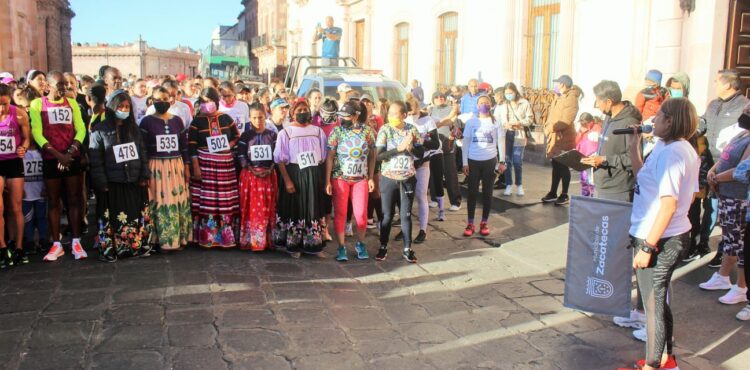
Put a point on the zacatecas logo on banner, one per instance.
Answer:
(599, 267)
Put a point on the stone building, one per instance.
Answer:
(135, 58)
(35, 35)
(249, 17)
(270, 44)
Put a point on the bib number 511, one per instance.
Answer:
(306, 159)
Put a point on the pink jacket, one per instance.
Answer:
(587, 140)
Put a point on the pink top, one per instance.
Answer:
(9, 128)
(587, 139)
(294, 140)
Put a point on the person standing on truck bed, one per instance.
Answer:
(331, 41)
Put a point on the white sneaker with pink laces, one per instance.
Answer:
(78, 252)
(55, 252)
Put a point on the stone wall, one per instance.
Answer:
(136, 58)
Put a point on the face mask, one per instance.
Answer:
(510, 97)
(122, 115)
(303, 118)
(329, 118)
(346, 123)
(557, 90)
(744, 121)
(676, 93)
(208, 107)
(484, 109)
(161, 107)
(395, 121)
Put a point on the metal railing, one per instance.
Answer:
(275, 38)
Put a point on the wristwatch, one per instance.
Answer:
(648, 248)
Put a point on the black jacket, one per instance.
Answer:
(104, 167)
(616, 175)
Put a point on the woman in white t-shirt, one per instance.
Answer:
(660, 229)
(237, 109)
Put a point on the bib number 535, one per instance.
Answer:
(166, 143)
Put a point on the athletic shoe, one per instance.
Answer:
(715, 262)
(455, 208)
(382, 253)
(295, 255)
(734, 295)
(341, 256)
(420, 237)
(78, 252)
(671, 363)
(700, 250)
(640, 334)
(371, 223)
(409, 256)
(508, 191)
(636, 320)
(361, 249)
(520, 191)
(6, 258)
(54, 253)
(549, 198)
(433, 204)
(716, 282)
(744, 314)
(441, 216)
(399, 236)
(349, 231)
(469, 231)
(108, 255)
(20, 257)
(562, 200)
(484, 230)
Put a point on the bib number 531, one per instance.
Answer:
(260, 153)
(125, 152)
(218, 143)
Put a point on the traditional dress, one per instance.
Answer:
(216, 206)
(258, 194)
(166, 143)
(302, 150)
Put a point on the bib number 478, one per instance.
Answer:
(125, 152)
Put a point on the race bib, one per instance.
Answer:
(166, 143)
(7, 145)
(217, 143)
(260, 153)
(402, 163)
(354, 168)
(306, 159)
(125, 152)
(60, 116)
(33, 168)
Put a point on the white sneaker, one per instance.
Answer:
(433, 204)
(454, 208)
(508, 190)
(520, 191)
(349, 231)
(637, 320)
(716, 282)
(744, 315)
(54, 252)
(734, 295)
(640, 334)
(371, 223)
(77, 249)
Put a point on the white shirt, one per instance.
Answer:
(139, 107)
(670, 171)
(240, 112)
(726, 135)
(179, 109)
(425, 125)
(483, 140)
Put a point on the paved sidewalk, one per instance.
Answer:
(468, 304)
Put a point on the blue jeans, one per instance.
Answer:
(514, 160)
(35, 217)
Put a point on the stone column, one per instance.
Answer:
(67, 53)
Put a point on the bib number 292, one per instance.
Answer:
(125, 152)
(218, 143)
(306, 159)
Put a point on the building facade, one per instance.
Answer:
(269, 46)
(530, 42)
(35, 35)
(249, 17)
(135, 58)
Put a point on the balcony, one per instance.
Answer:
(275, 38)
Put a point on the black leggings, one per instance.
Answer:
(560, 172)
(436, 175)
(391, 191)
(746, 250)
(483, 171)
(653, 284)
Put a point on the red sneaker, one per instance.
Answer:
(469, 231)
(671, 364)
(484, 229)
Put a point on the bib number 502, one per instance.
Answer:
(217, 143)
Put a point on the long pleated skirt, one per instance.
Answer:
(298, 227)
(170, 204)
(258, 197)
(216, 202)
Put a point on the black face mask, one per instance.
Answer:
(744, 121)
(346, 123)
(303, 118)
(161, 107)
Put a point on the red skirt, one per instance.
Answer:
(258, 197)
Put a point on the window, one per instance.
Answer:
(446, 48)
(359, 40)
(544, 28)
(401, 51)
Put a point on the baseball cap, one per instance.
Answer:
(279, 103)
(5, 75)
(343, 87)
(437, 94)
(565, 80)
(8, 80)
(347, 110)
(366, 97)
(484, 86)
(180, 77)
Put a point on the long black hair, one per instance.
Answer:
(211, 94)
(128, 131)
(98, 94)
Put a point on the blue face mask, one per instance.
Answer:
(122, 115)
(676, 93)
(510, 97)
